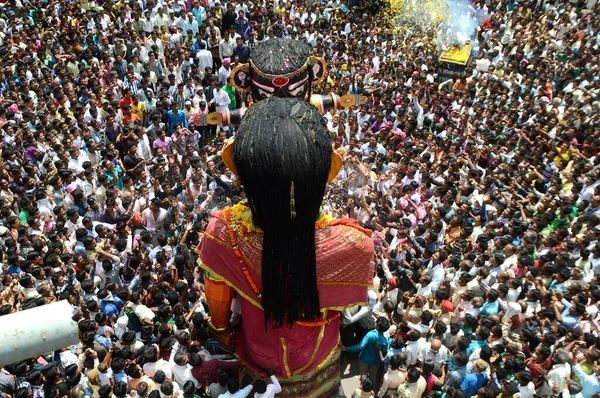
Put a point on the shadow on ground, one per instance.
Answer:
(350, 376)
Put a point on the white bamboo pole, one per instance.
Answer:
(36, 331)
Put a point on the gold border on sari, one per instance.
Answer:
(288, 374)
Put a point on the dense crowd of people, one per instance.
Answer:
(482, 192)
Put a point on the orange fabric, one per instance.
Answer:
(351, 223)
(219, 297)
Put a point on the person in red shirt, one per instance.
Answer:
(207, 372)
(126, 100)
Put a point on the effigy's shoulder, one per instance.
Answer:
(344, 254)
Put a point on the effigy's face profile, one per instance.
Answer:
(295, 85)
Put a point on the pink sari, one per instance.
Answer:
(344, 272)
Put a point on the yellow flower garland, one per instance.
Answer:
(243, 214)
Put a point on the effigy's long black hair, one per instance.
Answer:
(282, 154)
(280, 56)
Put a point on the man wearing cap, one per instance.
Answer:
(187, 110)
(224, 71)
(198, 97)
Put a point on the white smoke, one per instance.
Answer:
(453, 21)
(458, 25)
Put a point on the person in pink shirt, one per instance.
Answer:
(197, 122)
(163, 142)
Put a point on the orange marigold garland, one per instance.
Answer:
(238, 254)
(318, 323)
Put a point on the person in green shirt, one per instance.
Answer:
(230, 90)
(24, 213)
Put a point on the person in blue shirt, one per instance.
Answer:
(103, 341)
(491, 306)
(198, 11)
(176, 116)
(570, 314)
(117, 367)
(456, 376)
(559, 279)
(80, 235)
(481, 336)
(474, 381)
(199, 43)
(372, 348)
(13, 268)
(397, 347)
(107, 304)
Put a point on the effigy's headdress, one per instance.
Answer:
(281, 68)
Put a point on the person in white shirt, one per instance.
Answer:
(436, 352)
(234, 390)
(437, 272)
(216, 389)
(394, 377)
(182, 372)
(154, 364)
(224, 71)
(526, 386)
(264, 390)
(154, 217)
(560, 370)
(161, 19)
(415, 384)
(148, 23)
(414, 346)
(205, 58)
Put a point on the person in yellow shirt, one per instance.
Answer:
(280, 10)
(138, 108)
(564, 153)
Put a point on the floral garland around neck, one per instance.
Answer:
(243, 215)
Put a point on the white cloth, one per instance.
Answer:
(242, 393)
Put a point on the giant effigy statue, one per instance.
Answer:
(292, 267)
(283, 68)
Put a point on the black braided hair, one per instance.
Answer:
(280, 141)
(280, 56)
